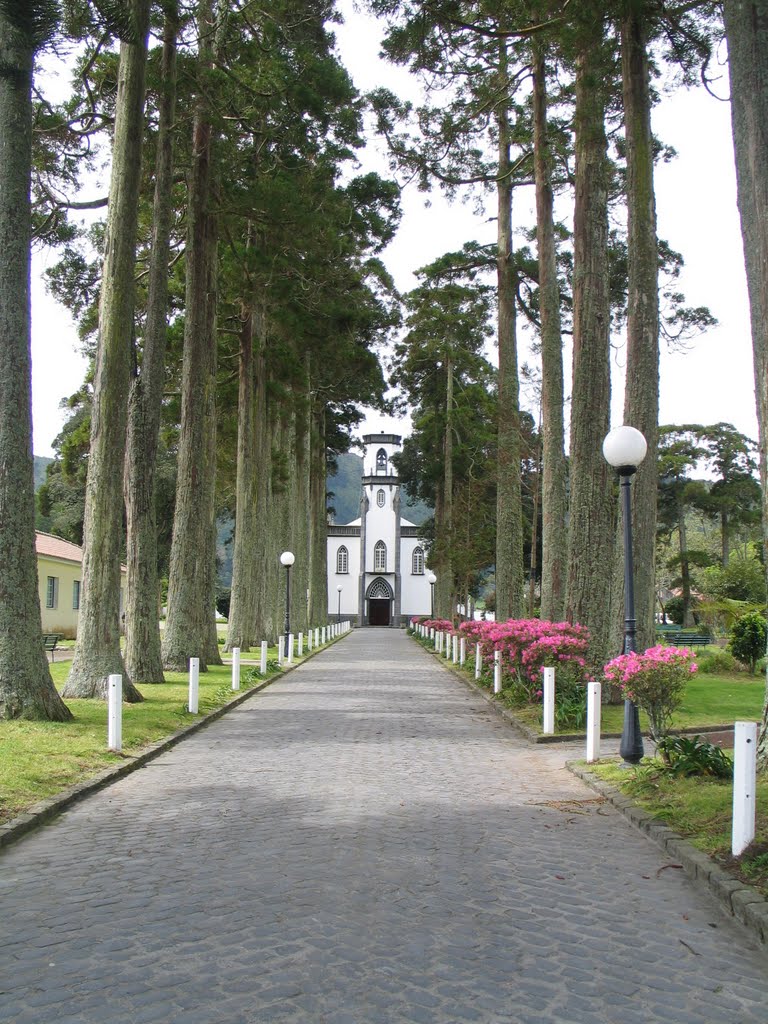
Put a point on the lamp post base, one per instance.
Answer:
(631, 746)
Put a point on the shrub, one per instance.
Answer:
(684, 755)
(713, 660)
(528, 645)
(748, 637)
(655, 681)
(673, 609)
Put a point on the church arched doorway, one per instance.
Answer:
(379, 601)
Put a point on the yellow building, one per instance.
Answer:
(59, 575)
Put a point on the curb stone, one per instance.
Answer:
(45, 810)
(737, 898)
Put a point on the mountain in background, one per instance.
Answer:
(41, 465)
(344, 493)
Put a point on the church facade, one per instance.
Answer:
(376, 564)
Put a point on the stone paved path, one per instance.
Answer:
(363, 842)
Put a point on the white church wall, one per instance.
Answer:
(348, 581)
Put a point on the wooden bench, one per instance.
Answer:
(50, 642)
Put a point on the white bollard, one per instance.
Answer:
(290, 648)
(280, 649)
(594, 709)
(455, 649)
(448, 645)
(115, 712)
(317, 636)
(310, 635)
(301, 645)
(194, 684)
(497, 671)
(744, 784)
(432, 635)
(478, 661)
(463, 650)
(263, 661)
(235, 668)
(548, 724)
(323, 638)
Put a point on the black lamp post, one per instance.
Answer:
(339, 590)
(432, 580)
(287, 559)
(625, 448)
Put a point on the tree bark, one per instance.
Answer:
(187, 630)
(746, 28)
(591, 506)
(26, 687)
(318, 593)
(685, 573)
(641, 397)
(97, 654)
(142, 631)
(242, 609)
(509, 517)
(554, 534)
(445, 589)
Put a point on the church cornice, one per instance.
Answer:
(382, 439)
(381, 478)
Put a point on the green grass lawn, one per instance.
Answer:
(38, 759)
(699, 809)
(709, 700)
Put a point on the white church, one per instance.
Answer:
(376, 571)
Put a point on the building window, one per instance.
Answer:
(417, 562)
(380, 557)
(381, 498)
(76, 595)
(342, 560)
(381, 461)
(52, 592)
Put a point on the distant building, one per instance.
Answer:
(59, 576)
(378, 559)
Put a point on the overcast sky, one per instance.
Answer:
(697, 215)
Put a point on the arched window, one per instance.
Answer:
(342, 560)
(417, 562)
(381, 498)
(381, 461)
(380, 557)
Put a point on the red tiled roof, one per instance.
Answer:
(55, 547)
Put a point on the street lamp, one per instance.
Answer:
(432, 580)
(624, 448)
(339, 590)
(287, 559)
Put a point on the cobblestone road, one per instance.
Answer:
(362, 842)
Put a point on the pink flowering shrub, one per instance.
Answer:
(529, 645)
(441, 625)
(655, 681)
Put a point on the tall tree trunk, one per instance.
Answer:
(242, 609)
(591, 507)
(641, 397)
(445, 588)
(685, 573)
(725, 538)
(554, 535)
(97, 654)
(746, 27)
(509, 516)
(190, 607)
(318, 587)
(142, 631)
(26, 687)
